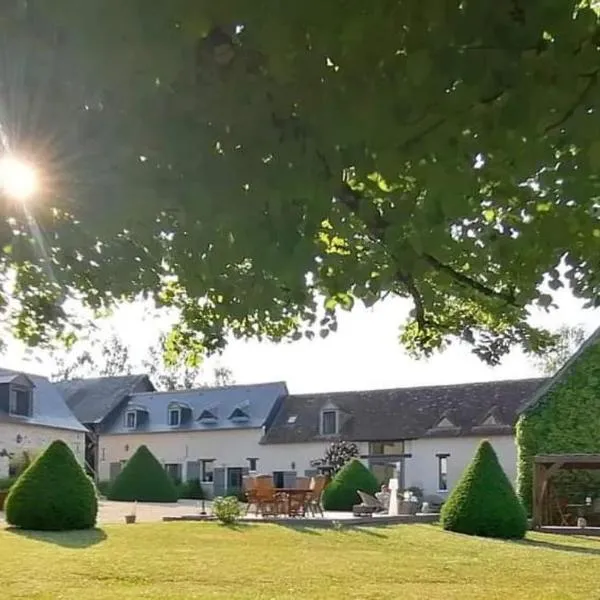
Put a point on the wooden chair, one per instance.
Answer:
(564, 514)
(265, 496)
(303, 483)
(313, 501)
(249, 487)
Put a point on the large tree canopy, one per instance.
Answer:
(241, 159)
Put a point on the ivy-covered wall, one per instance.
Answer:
(565, 420)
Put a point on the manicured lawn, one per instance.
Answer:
(195, 560)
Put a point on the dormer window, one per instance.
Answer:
(329, 422)
(207, 417)
(179, 414)
(20, 402)
(445, 423)
(131, 419)
(239, 416)
(174, 417)
(136, 417)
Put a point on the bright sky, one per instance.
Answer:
(363, 354)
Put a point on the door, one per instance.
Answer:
(279, 479)
(174, 472)
(219, 481)
(234, 480)
(114, 470)
(383, 471)
(192, 470)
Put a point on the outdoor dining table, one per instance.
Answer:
(294, 500)
(582, 509)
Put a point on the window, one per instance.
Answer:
(174, 471)
(20, 402)
(206, 470)
(131, 419)
(239, 415)
(252, 463)
(292, 419)
(207, 417)
(329, 422)
(174, 417)
(235, 478)
(442, 472)
(389, 448)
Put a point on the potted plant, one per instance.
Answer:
(131, 517)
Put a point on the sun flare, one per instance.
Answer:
(18, 179)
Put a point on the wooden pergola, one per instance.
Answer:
(547, 465)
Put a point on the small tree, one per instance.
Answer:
(53, 493)
(339, 454)
(143, 479)
(484, 502)
(342, 491)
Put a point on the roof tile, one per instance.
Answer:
(404, 413)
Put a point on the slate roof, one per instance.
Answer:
(257, 401)
(49, 407)
(92, 400)
(404, 413)
(529, 403)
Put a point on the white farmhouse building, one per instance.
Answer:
(218, 435)
(431, 431)
(33, 414)
(211, 434)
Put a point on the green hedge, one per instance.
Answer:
(191, 490)
(484, 502)
(6, 483)
(566, 420)
(103, 488)
(53, 494)
(341, 493)
(143, 479)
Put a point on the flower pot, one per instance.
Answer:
(129, 519)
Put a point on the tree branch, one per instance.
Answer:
(376, 228)
(413, 290)
(467, 281)
(592, 79)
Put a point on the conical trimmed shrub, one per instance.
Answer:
(484, 502)
(341, 493)
(143, 479)
(53, 493)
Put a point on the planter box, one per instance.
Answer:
(406, 507)
(3, 495)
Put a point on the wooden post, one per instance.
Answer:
(536, 516)
(540, 479)
(541, 476)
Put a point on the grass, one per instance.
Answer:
(200, 560)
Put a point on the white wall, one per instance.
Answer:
(228, 448)
(422, 467)
(17, 437)
(232, 448)
(279, 457)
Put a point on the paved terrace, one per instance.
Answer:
(189, 510)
